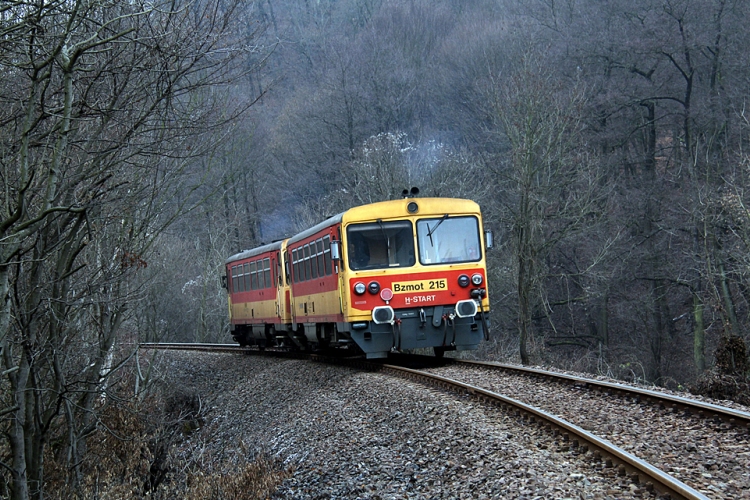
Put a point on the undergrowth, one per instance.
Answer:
(729, 379)
(156, 449)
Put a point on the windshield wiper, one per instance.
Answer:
(434, 228)
(387, 240)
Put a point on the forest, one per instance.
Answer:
(144, 142)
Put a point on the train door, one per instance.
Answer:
(276, 283)
(291, 256)
(283, 281)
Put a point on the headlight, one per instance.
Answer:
(373, 287)
(463, 281)
(359, 288)
(466, 308)
(383, 314)
(476, 279)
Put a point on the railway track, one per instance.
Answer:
(587, 440)
(670, 401)
(193, 346)
(603, 451)
(704, 445)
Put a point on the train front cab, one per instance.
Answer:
(414, 276)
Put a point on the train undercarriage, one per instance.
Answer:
(435, 327)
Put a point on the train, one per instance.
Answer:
(384, 277)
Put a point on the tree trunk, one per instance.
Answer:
(604, 320)
(17, 432)
(699, 338)
(525, 266)
(726, 294)
(524, 309)
(658, 336)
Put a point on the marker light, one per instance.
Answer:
(463, 281)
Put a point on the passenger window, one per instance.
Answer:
(234, 280)
(247, 277)
(307, 262)
(295, 262)
(313, 262)
(327, 254)
(267, 272)
(319, 255)
(259, 267)
(253, 276)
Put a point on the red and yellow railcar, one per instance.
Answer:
(258, 299)
(394, 275)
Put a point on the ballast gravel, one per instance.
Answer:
(344, 433)
(710, 456)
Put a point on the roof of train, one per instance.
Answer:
(398, 208)
(276, 245)
(309, 232)
(373, 211)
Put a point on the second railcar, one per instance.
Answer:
(258, 298)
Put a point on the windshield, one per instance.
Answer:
(448, 239)
(380, 244)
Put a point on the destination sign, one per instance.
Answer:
(420, 286)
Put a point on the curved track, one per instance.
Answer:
(587, 442)
(601, 449)
(709, 410)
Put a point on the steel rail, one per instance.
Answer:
(730, 415)
(603, 449)
(195, 346)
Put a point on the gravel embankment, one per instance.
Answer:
(351, 434)
(712, 457)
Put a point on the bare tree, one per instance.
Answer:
(666, 97)
(549, 187)
(105, 105)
